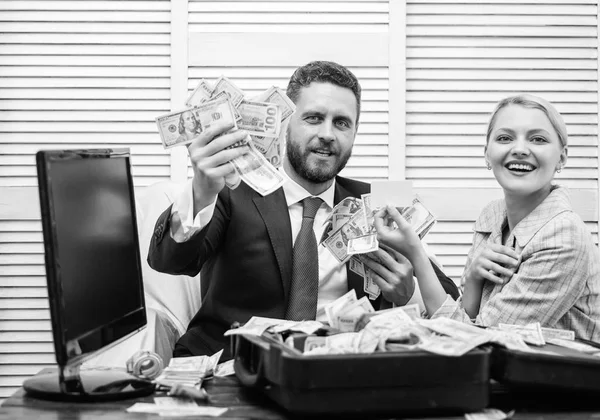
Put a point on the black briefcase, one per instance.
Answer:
(404, 382)
(560, 368)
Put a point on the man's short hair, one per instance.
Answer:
(324, 72)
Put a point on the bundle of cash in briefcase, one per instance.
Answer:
(264, 117)
(392, 362)
(349, 232)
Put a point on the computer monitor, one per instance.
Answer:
(93, 270)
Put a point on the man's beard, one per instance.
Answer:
(316, 174)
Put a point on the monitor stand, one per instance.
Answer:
(72, 384)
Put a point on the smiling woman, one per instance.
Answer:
(532, 259)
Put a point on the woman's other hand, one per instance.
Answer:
(497, 263)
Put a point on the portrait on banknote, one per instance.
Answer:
(189, 127)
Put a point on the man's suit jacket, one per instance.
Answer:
(244, 256)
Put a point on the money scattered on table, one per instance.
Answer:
(531, 333)
(257, 325)
(552, 333)
(225, 368)
(490, 414)
(354, 327)
(188, 371)
(174, 409)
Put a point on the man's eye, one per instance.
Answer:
(312, 119)
(503, 139)
(343, 123)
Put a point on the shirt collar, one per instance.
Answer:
(493, 218)
(294, 192)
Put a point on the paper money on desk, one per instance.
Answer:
(181, 410)
(188, 371)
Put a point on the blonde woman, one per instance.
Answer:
(532, 259)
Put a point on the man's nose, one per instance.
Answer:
(520, 147)
(326, 131)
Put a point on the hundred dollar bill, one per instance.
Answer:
(257, 172)
(337, 242)
(258, 325)
(333, 308)
(531, 333)
(369, 285)
(201, 94)
(270, 148)
(172, 128)
(273, 155)
(220, 109)
(363, 244)
(262, 143)
(552, 333)
(259, 118)
(182, 127)
(277, 96)
(419, 217)
(225, 85)
(224, 95)
(357, 266)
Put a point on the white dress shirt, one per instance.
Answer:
(333, 281)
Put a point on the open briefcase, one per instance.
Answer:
(389, 382)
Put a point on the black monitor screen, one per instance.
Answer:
(92, 254)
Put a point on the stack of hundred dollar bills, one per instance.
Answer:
(264, 117)
(355, 327)
(349, 232)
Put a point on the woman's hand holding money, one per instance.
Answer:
(406, 241)
(393, 273)
(210, 154)
(401, 237)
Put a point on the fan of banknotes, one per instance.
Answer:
(349, 232)
(264, 117)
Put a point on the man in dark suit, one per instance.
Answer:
(242, 243)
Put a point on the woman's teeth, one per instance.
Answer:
(523, 167)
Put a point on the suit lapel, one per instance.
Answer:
(274, 212)
(355, 281)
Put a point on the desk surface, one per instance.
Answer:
(242, 404)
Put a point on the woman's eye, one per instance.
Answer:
(503, 139)
(538, 139)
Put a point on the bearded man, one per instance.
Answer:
(257, 255)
